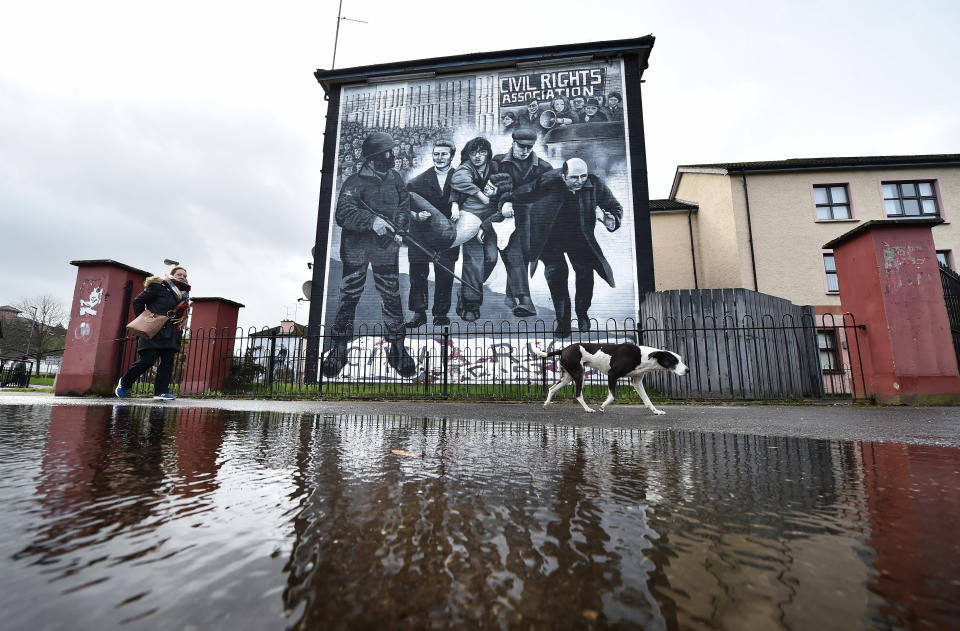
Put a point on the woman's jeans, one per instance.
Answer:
(145, 359)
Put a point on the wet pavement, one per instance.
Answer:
(319, 515)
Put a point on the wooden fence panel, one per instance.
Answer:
(738, 343)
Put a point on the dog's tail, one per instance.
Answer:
(539, 353)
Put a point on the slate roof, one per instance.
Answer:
(811, 164)
(642, 46)
(833, 163)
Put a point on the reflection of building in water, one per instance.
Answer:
(98, 454)
(754, 529)
(913, 511)
(199, 435)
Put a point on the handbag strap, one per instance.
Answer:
(174, 288)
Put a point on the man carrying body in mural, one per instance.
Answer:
(524, 167)
(476, 186)
(433, 185)
(562, 220)
(372, 204)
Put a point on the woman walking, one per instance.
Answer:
(165, 296)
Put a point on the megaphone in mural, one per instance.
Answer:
(548, 119)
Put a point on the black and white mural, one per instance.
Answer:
(487, 197)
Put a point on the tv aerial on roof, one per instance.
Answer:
(336, 37)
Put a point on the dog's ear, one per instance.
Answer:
(667, 360)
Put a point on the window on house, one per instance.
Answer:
(910, 199)
(827, 347)
(830, 270)
(943, 258)
(832, 202)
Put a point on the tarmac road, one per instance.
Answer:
(938, 426)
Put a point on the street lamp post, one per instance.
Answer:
(33, 323)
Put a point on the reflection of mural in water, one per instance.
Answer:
(507, 194)
(331, 520)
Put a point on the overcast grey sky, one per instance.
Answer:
(193, 130)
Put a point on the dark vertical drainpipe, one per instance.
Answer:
(693, 253)
(753, 258)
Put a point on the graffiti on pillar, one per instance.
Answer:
(904, 264)
(502, 195)
(91, 296)
(89, 306)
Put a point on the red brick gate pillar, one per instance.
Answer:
(213, 329)
(97, 324)
(889, 280)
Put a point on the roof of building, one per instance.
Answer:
(400, 70)
(297, 330)
(812, 164)
(666, 205)
(9, 308)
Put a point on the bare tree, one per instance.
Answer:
(47, 331)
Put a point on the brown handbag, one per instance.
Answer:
(147, 324)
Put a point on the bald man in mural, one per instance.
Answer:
(563, 216)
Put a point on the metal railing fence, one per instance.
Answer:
(15, 373)
(950, 281)
(730, 359)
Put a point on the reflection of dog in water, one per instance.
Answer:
(615, 361)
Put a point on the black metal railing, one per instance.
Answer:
(767, 359)
(950, 281)
(16, 373)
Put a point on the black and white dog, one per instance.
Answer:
(615, 361)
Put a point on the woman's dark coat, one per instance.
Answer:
(159, 298)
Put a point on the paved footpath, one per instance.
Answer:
(911, 425)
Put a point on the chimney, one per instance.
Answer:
(286, 326)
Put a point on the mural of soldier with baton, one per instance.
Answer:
(369, 239)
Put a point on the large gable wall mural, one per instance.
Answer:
(498, 195)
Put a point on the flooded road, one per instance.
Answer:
(186, 518)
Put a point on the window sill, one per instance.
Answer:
(835, 220)
(898, 217)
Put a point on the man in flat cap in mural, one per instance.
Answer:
(562, 221)
(372, 206)
(524, 167)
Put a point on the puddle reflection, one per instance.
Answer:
(175, 517)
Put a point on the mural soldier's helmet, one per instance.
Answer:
(377, 142)
(378, 148)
